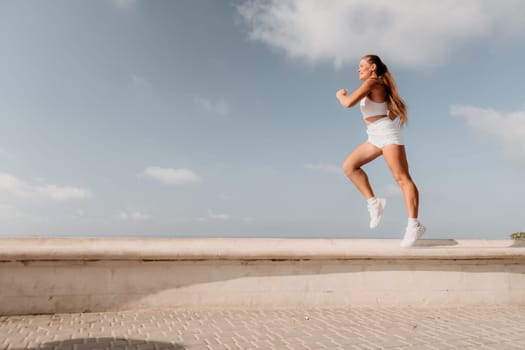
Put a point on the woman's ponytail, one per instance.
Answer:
(395, 103)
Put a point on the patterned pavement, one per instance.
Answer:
(463, 328)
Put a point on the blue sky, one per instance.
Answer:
(219, 118)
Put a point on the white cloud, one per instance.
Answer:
(133, 216)
(216, 216)
(171, 176)
(392, 190)
(506, 129)
(13, 185)
(222, 217)
(62, 193)
(332, 169)
(219, 106)
(409, 33)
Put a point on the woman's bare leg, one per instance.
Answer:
(363, 154)
(395, 157)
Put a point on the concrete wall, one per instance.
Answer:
(50, 275)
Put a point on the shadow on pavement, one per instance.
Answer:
(518, 243)
(114, 343)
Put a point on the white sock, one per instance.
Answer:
(371, 200)
(413, 222)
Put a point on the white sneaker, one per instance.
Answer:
(412, 234)
(376, 211)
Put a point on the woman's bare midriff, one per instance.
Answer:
(374, 118)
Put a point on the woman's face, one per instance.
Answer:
(365, 69)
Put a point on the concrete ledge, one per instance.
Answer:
(13, 249)
(49, 275)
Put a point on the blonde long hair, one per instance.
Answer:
(395, 103)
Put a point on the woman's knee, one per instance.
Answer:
(349, 167)
(403, 179)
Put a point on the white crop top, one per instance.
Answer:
(370, 108)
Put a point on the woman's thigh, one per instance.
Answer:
(361, 155)
(396, 159)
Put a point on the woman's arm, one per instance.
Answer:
(356, 96)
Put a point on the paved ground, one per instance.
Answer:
(341, 328)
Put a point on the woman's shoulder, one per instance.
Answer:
(370, 83)
(377, 84)
(377, 90)
(371, 87)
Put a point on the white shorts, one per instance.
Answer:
(384, 132)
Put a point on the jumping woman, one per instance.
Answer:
(381, 105)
